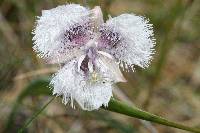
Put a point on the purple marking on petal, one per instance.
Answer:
(108, 37)
(78, 34)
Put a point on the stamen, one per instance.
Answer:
(94, 76)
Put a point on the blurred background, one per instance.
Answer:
(170, 87)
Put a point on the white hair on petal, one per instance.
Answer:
(136, 47)
(72, 85)
(51, 27)
(94, 96)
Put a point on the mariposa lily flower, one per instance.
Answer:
(91, 51)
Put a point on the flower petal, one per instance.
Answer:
(129, 38)
(61, 31)
(94, 96)
(73, 85)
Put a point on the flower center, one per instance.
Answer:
(88, 63)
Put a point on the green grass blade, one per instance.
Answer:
(119, 107)
(35, 116)
(35, 88)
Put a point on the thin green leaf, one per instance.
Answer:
(35, 116)
(119, 107)
(35, 88)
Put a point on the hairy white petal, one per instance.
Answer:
(94, 96)
(50, 30)
(64, 57)
(87, 93)
(136, 45)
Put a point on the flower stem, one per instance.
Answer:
(119, 107)
(34, 116)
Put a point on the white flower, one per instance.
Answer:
(91, 51)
